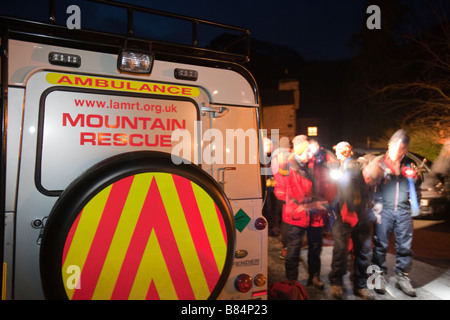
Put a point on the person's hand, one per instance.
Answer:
(377, 208)
(320, 205)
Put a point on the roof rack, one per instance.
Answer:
(236, 48)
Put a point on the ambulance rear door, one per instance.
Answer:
(232, 140)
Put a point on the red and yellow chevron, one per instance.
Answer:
(147, 236)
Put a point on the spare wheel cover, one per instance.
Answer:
(137, 226)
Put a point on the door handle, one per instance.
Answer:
(221, 171)
(216, 112)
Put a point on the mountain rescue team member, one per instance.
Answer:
(352, 223)
(301, 213)
(397, 196)
(324, 187)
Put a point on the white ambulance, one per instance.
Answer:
(129, 168)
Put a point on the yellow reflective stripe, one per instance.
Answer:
(84, 234)
(182, 236)
(212, 225)
(153, 267)
(122, 236)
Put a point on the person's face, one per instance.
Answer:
(297, 149)
(339, 155)
(396, 150)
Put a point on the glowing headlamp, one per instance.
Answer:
(312, 148)
(335, 174)
(409, 172)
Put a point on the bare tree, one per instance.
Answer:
(413, 85)
(423, 94)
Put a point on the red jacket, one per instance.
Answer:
(296, 190)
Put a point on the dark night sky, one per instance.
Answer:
(318, 30)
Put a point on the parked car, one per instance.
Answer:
(435, 193)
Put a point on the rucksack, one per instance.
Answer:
(287, 290)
